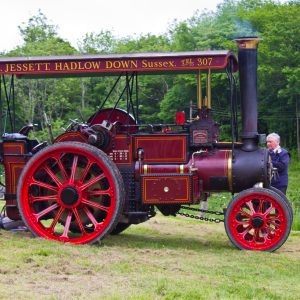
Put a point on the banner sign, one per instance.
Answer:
(84, 64)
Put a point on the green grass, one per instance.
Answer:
(164, 258)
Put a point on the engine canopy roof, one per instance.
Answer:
(114, 64)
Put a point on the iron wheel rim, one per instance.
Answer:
(266, 234)
(88, 175)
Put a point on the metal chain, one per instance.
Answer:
(218, 213)
(215, 220)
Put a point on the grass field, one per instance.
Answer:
(165, 258)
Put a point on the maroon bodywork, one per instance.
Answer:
(101, 176)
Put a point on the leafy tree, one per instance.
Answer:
(93, 43)
(146, 43)
(35, 97)
(37, 29)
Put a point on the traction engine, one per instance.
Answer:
(103, 175)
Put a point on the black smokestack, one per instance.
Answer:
(247, 57)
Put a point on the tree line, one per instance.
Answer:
(277, 24)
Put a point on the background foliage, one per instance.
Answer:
(161, 96)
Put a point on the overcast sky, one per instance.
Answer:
(75, 18)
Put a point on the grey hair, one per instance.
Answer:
(274, 136)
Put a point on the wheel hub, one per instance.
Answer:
(69, 196)
(257, 222)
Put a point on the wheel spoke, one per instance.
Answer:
(79, 222)
(260, 207)
(276, 226)
(250, 206)
(46, 211)
(247, 229)
(73, 169)
(244, 213)
(52, 175)
(67, 225)
(273, 217)
(92, 181)
(62, 168)
(96, 205)
(86, 171)
(55, 220)
(33, 199)
(108, 192)
(267, 212)
(44, 185)
(256, 235)
(242, 222)
(91, 216)
(269, 232)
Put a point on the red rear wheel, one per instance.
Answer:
(258, 219)
(71, 192)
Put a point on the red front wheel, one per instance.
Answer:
(71, 192)
(258, 219)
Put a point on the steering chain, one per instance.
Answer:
(215, 220)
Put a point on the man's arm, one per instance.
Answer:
(282, 162)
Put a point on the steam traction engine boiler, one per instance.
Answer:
(103, 175)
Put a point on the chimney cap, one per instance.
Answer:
(248, 42)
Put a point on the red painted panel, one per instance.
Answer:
(197, 188)
(121, 153)
(162, 148)
(13, 148)
(166, 188)
(14, 161)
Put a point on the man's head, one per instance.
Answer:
(273, 141)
